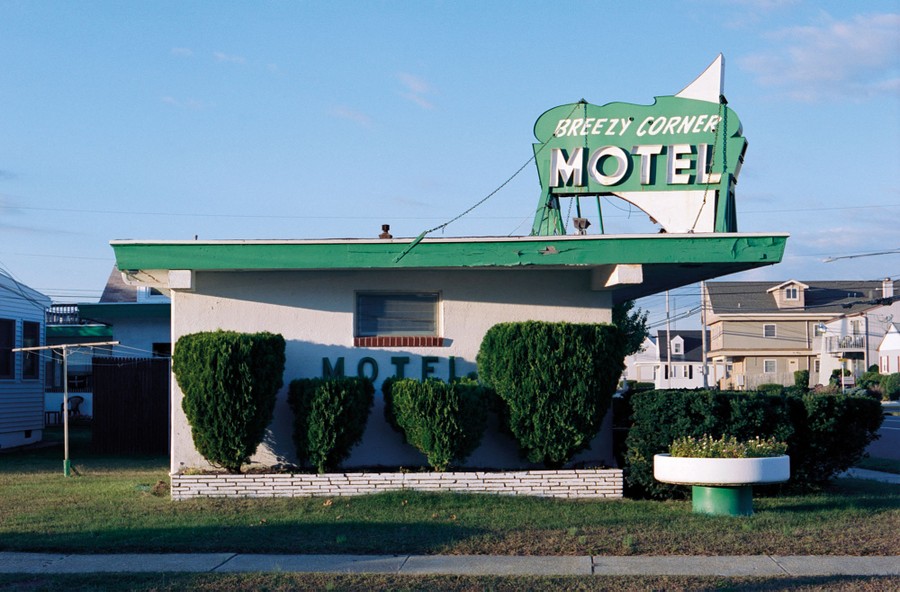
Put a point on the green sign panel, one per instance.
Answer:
(677, 159)
(672, 145)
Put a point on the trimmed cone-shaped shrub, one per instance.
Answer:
(329, 418)
(556, 380)
(229, 381)
(443, 421)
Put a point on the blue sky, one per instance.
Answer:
(166, 120)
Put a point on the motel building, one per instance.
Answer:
(419, 307)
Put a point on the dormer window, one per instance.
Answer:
(678, 346)
(789, 294)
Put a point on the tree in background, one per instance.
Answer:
(632, 324)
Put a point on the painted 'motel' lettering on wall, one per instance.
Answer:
(368, 367)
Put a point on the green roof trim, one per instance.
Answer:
(82, 332)
(109, 312)
(743, 249)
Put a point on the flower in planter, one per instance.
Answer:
(726, 447)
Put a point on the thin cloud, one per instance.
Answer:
(856, 59)
(764, 5)
(192, 104)
(343, 112)
(231, 59)
(183, 52)
(6, 176)
(416, 90)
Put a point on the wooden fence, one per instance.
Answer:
(131, 405)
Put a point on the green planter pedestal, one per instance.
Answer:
(722, 501)
(721, 486)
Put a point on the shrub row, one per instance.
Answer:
(825, 434)
(553, 381)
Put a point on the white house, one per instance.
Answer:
(889, 350)
(641, 365)
(673, 360)
(21, 373)
(852, 340)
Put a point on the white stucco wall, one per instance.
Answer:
(314, 311)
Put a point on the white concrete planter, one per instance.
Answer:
(721, 471)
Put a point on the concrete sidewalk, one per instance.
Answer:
(869, 475)
(735, 566)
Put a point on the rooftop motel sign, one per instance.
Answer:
(677, 159)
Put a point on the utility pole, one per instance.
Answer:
(668, 346)
(703, 343)
(67, 464)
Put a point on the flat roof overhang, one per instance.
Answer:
(666, 260)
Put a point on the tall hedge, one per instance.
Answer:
(230, 381)
(556, 381)
(329, 418)
(825, 434)
(443, 421)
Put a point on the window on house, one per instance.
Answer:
(856, 327)
(406, 319)
(769, 366)
(791, 294)
(817, 366)
(883, 364)
(769, 330)
(819, 329)
(677, 348)
(7, 343)
(31, 337)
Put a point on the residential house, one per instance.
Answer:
(136, 317)
(641, 365)
(674, 360)
(21, 373)
(889, 350)
(766, 331)
(851, 341)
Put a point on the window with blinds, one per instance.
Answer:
(403, 314)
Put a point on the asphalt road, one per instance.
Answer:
(888, 446)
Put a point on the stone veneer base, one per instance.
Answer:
(572, 484)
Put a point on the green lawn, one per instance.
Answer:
(119, 505)
(366, 583)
